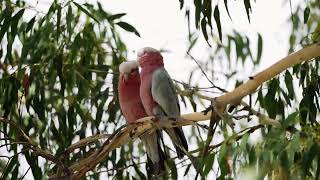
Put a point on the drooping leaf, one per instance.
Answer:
(128, 27)
(259, 49)
(198, 6)
(306, 14)
(217, 19)
(116, 16)
(15, 19)
(5, 25)
(58, 21)
(30, 24)
(247, 6)
(85, 11)
(289, 84)
(140, 174)
(208, 163)
(207, 5)
(309, 157)
(204, 30)
(181, 4)
(9, 167)
(69, 17)
(226, 6)
(244, 141)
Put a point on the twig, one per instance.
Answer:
(199, 66)
(25, 173)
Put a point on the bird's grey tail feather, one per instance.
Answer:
(183, 140)
(156, 168)
(179, 140)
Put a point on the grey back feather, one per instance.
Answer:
(163, 92)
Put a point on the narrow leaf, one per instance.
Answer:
(86, 11)
(247, 5)
(69, 18)
(208, 11)
(30, 24)
(226, 6)
(204, 30)
(181, 4)
(289, 84)
(128, 27)
(116, 16)
(14, 23)
(198, 6)
(306, 14)
(58, 21)
(216, 15)
(208, 162)
(259, 53)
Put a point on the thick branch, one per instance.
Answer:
(250, 86)
(146, 124)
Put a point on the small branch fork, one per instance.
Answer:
(146, 125)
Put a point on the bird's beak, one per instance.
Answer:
(126, 77)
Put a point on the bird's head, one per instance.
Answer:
(150, 55)
(128, 68)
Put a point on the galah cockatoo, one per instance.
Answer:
(158, 94)
(132, 109)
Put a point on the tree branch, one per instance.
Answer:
(147, 124)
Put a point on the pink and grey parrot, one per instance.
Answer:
(132, 109)
(158, 94)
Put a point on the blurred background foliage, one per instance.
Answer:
(58, 84)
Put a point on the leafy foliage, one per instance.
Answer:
(58, 85)
(54, 86)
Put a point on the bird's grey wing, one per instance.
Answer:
(163, 92)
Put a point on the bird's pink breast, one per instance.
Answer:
(129, 98)
(145, 89)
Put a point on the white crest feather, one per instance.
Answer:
(127, 66)
(144, 50)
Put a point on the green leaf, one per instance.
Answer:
(198, 6)
(181, 4)
(116, 16)
(294, 147)
(226, 6)
(128, 27)
(208, 163)
(217, 19)
(306, 14)
(69, 19)
(244, 141)
(85, 11)
(140, 174)
(289, 84)
(10, 166)
(291, 119)
(5, 25)
(15, 19)
(247, 5)
(173, 168)
(208, 11)
(309, 156)
(30, 24)
(222, 152)
(58, 22)
(259, 53)
(204, 30)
